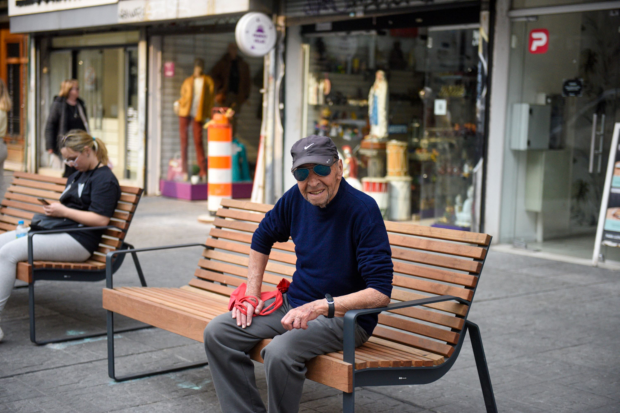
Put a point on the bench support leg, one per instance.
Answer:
(33, 332)
(136, 262)
(111, 358)
(348, 402)
(483, 369)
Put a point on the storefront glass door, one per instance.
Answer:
(108, 87)
(566, 69)
(421, 166)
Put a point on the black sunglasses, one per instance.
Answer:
(301, 174)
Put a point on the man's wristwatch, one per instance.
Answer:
(331, 306)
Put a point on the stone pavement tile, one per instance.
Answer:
(612, 408)
(201, 403)
(158, 339)
(554, 397)
(595, 355)
(501, 260)
(597, 381)
(496, 285)
(13, 389)
(39, 404)
(365, 402)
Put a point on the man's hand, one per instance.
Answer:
(55, 209)
(244, 320)
(300, 316)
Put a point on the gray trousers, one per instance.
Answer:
(49, 247)
(227, 346)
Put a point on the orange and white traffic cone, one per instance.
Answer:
(220, 158)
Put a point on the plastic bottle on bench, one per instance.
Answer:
(21, 230)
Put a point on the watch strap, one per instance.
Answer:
(330, 305)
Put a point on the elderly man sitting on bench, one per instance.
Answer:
(343, 263)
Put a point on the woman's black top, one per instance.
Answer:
(97, 191)
(72, 118)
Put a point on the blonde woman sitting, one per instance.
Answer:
(89, 200)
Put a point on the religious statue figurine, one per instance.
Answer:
(378, 107)
(194, 107)
(231, 75)
(463, 217)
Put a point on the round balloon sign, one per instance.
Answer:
(255, 34)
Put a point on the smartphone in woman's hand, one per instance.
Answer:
(43, 201)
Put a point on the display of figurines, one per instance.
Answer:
(378, 107)
(397, 162)
(464, 216)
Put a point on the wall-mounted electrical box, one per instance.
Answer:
(530, 127)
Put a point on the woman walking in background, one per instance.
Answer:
(67, 113)
(5, 108)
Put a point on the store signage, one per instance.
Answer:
(539, 41)
(441, 107)
(572, 88)
(169, 69)
(23, 7)
(131, 11)
(255, 34)
(608, 231)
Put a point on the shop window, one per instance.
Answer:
(13, 66)
(413, 147)
(526, 4)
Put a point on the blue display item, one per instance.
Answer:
(240, 168)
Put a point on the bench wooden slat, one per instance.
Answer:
(39, 185)
(245, 249)
(134, 190)
(219, 267)
(17, 213)
(436, 358)
(432, 287)
(236, 225)
(40, 178)
(246, 205)
(438, 233)
(247, 238)
(465, 280)
(37, 193)
(415, 341)
(23, 206)
(240, 215)
(244, 261)
(448, 307)
(417, 328)
(423, 314)
(209, 286)
(437, 260)
(450, 248)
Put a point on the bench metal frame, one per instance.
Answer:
(109, 272)
(383, 376)
(394, 376)
(59, 274)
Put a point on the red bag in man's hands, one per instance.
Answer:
(238, 298)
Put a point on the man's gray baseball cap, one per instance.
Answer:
(314, 149)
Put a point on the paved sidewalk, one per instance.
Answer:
(550, 332)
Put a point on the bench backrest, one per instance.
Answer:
(427, 262)
(20, 203)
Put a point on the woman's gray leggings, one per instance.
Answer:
(50, 247)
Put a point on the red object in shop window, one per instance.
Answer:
(409, 32)
(539, 41)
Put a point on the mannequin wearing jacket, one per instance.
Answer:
(231, 76)
(194, 107)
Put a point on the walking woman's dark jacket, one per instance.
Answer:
(57, 122)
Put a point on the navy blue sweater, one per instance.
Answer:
(341, 249)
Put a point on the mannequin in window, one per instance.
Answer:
(231, 75)
(378, 107)
(194, 107)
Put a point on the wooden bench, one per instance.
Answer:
(20, 203)
(419, 335)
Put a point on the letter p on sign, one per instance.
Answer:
(539, 41)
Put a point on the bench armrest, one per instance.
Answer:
(110, 256)
(31, 235)
(350, 320)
